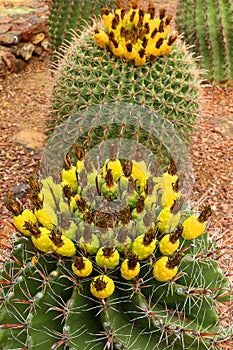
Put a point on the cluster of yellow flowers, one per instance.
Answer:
(136, 35)
(147, 226)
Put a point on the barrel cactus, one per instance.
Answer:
(70, 14)
(207, 25)
(129, 56)
(110, 257)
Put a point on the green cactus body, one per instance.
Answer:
(45, 304)
(70, 14)
(90, 75)
(208, 26)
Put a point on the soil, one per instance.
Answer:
(23, 113)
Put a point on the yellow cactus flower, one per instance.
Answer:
(46, 216)
(135, 35)
(39, 236)
(140, 173)
(115, 166)
(107, 257)
(168, 197)
(69, 174)
(101, 38)
(167, 180)
(82, 267)
(69, 178)
(166, 268)
(170, 242)
(25, 216)
(21, 215)
(167, 221)
(194, 226)
(144, 245)
(102, 287)
(42, 242)
(80, 165)
(61, 244)
(107, 18)
(130, 267)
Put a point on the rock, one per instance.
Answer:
(10, 38)
(3, 69)
(5, 20)
(12, 48)
(21, 191)
(19, 65)
(9, 59)
(39, 26)
(7, 39)
(26, 51)
(4, 28)
(45, 44)
(30, 139)
(36, 39)
(4, 49)
(38, 50)
(224, 125)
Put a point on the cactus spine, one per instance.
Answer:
(69, 14)
(208, 26)
(89, 74)
(109, 292)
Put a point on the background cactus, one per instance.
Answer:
(69, 14)
(208, 26)
(90, 75)
(132, 297)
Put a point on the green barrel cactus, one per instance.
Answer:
(207, 25)
(70, 14)
(109, 257)
(130, 56)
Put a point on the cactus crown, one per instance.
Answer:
(136, 35)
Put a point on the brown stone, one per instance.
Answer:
(7, 39)
(40, 26)
(4, 49)
(19, 65)
(30, 139)
(10, 38)
(9, 60)
(37, 38)
(3, 69)
(5, 20)
(12, 48)
(45, 44)
(38, 50)
(4, 28)
(26, 36)
(26, 50)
